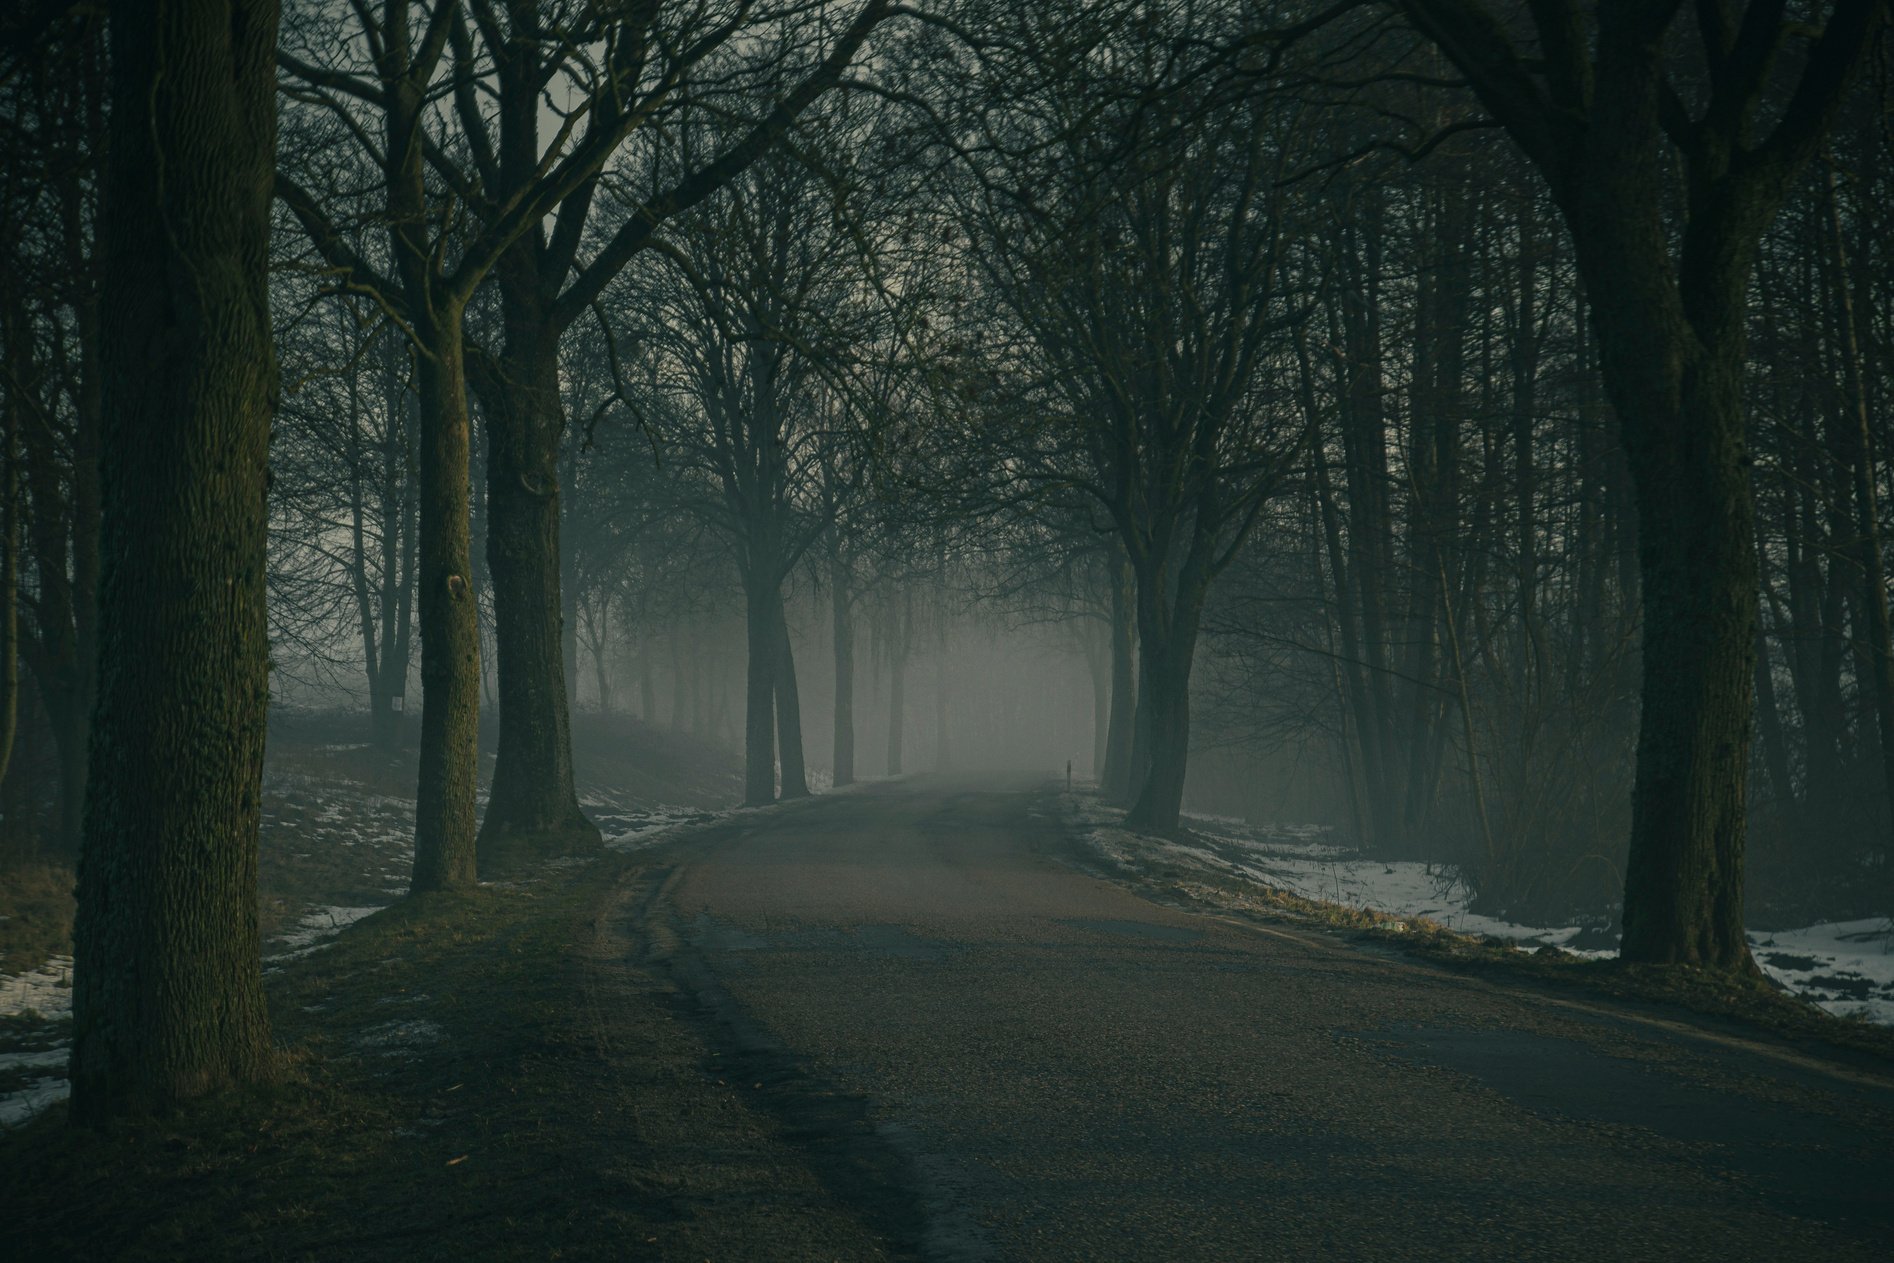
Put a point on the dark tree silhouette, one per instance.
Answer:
(168, 990)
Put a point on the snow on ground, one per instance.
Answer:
(18, 1107)
(46, 994)
(1846, 967)
(46, 991)
(633, 829)
(313, 931)
(314, 829)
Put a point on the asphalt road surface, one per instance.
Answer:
(995, 1054)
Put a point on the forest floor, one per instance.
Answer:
(336, 845)
(479, 1076)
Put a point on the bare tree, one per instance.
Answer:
(168, 989)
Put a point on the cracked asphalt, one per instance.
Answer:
(991, 1053)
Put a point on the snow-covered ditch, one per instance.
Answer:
(1846, 967)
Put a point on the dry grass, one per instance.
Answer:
(36, 910)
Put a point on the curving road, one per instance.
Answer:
(993, 1054)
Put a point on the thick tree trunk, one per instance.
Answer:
(789, 712)
(450, 630)
(1115, 784)
(1098, 669)
(384, 721)
(839, 603)
(532, 803)
(1671, 342)
(1683, 899)
(1677, 389)
(1167, 640)
(759, 709)
(168, 988)
(1160, 802)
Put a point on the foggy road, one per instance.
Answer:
(995, 1055)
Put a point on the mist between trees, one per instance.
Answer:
(1456, 424)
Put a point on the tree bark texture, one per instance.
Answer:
(532, 798)
(1167, 647)
(168, 992)
(444, 856)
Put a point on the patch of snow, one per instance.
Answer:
(37, 1058)
(18, 1107)
(1847, 967)
(314, 930)
(638, 829)
(46, 991)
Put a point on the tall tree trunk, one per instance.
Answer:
(1116, 781)
(444, 857)
(1097, 645)
(789, 711)
(1167, 639)
(1676, 384)
(1166, 680)
(844, 636)
(759, 710)
(1684, 877)
(532, 802)
(168, 988)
